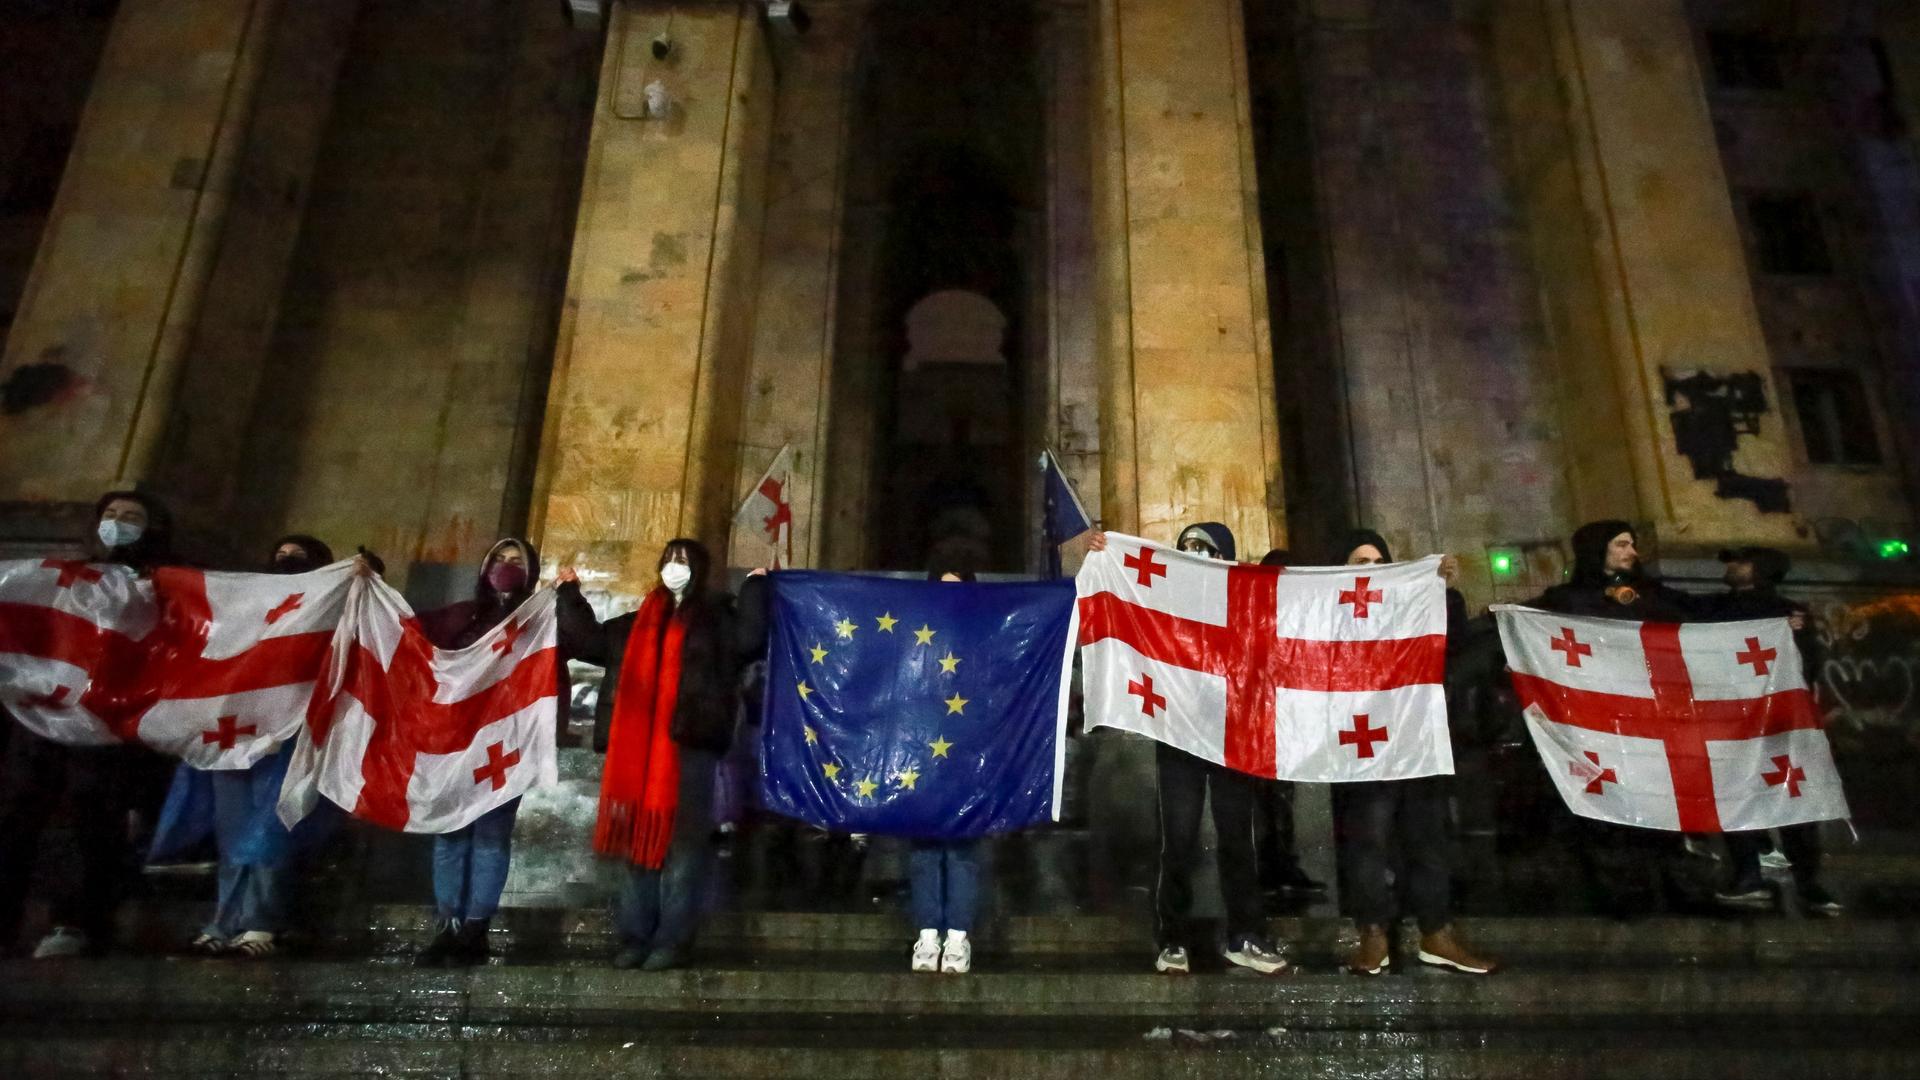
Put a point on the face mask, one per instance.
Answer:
(119, 534)
(291, 564)
(675, 576)
(506, 577)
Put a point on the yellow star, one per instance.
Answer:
(923, 636)
(886, 621)
(940, 746)
(865, 787)
(956, 704)
(819, 654)
(812, 735)
(832, 770)
(908, 777)
(845, 628)
(948, 663)
(804, 690)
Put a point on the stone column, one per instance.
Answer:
(119, 278)
(644, 410)
(1188, 429)
(1641, 259)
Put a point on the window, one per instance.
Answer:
(1835, 424)
(1746, 61)
(1787, 235)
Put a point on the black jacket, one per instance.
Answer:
(1585, 590)
(1764, 602)
(718, 640)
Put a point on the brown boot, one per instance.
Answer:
(1370, 956)
(1442, 949)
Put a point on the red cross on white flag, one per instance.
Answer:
(421, 739)
(213, 668)
(1701, 727)
(763, 526)
(1312, 673)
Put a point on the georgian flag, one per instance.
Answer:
(213, 668)
(1303, 673)
(421, 739)
(1695, 727)
(763, 526)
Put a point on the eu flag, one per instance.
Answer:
(915, 708)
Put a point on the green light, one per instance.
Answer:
(1504, 562)
(1894, 549)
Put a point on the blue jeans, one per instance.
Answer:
(945, 879)
(659, 910)
(251, 897)
(470, 865)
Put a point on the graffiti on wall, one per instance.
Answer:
(1867, 679)
(1710, 412)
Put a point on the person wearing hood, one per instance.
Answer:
(664, 717)
(91, 786)
(251, 909)
(1410, 817)
(1753, 577)
(470, 864)
(1608, 581)
(1186, 785)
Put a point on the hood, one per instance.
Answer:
(1355, 538)
(1590, 550)
(1218, 536)
(484, 593)
(318, 553)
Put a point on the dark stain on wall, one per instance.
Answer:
(1709, 413)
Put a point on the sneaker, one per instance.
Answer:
(1746, 894)
(207, 945)
(1296, 882)
(1372, 955)
(252, 945)
(1819, 901)
(1172, 961)
(1442, 949)
(62, 942)
(926, 951)
(443, 949)
(1256, 955)
(472, 939)
(957, 957)
(1774, 860)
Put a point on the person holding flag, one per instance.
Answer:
(664, 718)
(944, 875)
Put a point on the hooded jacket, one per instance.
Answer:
(1216, 535)
(460, 624)
(318, 553)
(1634, 595)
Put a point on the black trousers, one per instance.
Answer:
(1185, 784)
(1397, 829)
(1273, 832)
(89, 788)
(1799, 843)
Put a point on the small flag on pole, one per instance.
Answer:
(1065, 517)
(765, 517)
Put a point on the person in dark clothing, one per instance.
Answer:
(1186, 784)
(665, 716)
(1753, 578)
(1279, 862)
(90, 787)
(1409, 817)
(1626, 870)
(470, 864)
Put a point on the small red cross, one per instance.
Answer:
(284, 608)
(70, 571)
(1760, 658)
(1360, 596)
(229, 732)
(510, 638)
(1145, 569)
(1789, 774)
(496, 767)
(1362, 735)
(1595, 774)
(1573, 648)
(1149, 700)
(782, 510)
(55, 700)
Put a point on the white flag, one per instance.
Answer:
(763, 526)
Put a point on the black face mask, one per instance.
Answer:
(291, 564)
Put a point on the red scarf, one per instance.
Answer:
(640, 785)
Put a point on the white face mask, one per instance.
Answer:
(675, 576)
(118, 534)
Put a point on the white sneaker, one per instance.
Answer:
(1773, 860)
(957, 957)
(62, 942)
(1256, 955)
(1172, 961)
(254, 945)
(926, 951)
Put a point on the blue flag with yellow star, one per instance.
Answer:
(927, 709)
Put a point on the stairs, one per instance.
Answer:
(801, 995)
